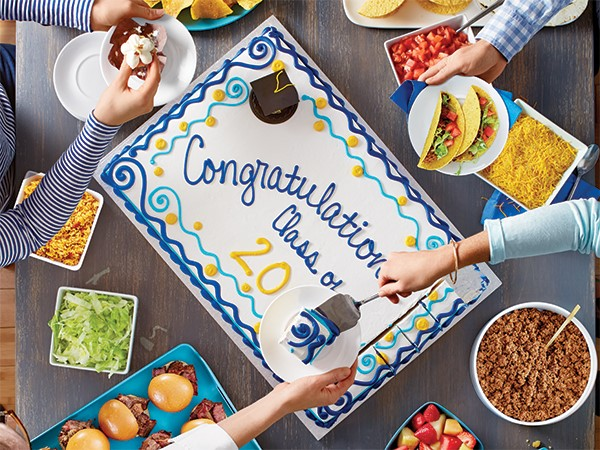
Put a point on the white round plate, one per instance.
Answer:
(563, 17)
(77, 79)
(342, 353)
(179, 69)
(421, 115)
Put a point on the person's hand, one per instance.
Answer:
(119, 103)
(481, 59)
(318, 390)
(406, 272)
(106, 13)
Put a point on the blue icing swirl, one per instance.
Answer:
(262, 50)
(313, 334)
(434, 242)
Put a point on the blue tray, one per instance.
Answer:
(137, 384)
(211, 24)
(392, 444)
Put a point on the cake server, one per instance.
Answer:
(344, 311)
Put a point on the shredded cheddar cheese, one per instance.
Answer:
(532, 162)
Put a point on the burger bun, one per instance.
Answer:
(117, 421)
(88, 439)
(170, 392)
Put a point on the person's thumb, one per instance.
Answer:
(145, 12)
(124, 73)
(388, 290)
(335, 375)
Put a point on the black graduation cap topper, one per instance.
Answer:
(275, 92)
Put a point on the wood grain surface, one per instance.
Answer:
(553, 73)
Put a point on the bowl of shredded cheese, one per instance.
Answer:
(536, 161)
(68, 247)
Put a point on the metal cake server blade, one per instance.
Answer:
(343, 310)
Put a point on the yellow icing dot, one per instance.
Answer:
(357, 171)
(171, 219)
(383, 359)
(210, 121)
(197, 226)
(161, 144)
(402, 200)
(389, 337)
(422, 324)
(183, 126)
(211, 270)
(410, 241)
(246, 288)
(352, 141)
(158, 171)
(277, 65)
(321, 103)
(256, 327)
(219, 95)
(433, 296)
(319, 125)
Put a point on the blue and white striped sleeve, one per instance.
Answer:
(64, 13)
(516, 21)
(34, 222)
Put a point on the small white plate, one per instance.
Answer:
(421, 115)
(342, 353)
(77, 79)
(179, 69)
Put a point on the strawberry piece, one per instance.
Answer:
(424, 446)
(403, 447)
(431, 413)
(418, 421)
(427, 434)
(450, 442)
(467, 438)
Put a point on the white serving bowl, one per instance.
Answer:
(132, 298)
(454, 22)
(593, 364)
(32, 176)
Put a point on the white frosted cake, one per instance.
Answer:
(243, 210)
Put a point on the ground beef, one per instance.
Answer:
(523, 379)
(179, 368)
(156, 441)
(69, 429)
(207, 409)
(139, 407)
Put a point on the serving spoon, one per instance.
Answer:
(586, 164)
(483, 13)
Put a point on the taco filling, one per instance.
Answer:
(446, 132)
(486, 133)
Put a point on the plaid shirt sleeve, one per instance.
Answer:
(516, 21)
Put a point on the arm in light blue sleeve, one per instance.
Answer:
(516, 21)
(66, 13)
(556, 228)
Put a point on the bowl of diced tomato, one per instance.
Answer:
(411, 54)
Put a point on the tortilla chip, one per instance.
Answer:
(248, 4)
(152, 3)
(210, 9)
(379, 8)
(446, 10)
(174, 7)
(450, 2)
(472, 112)
(452, 151)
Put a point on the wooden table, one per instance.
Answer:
(553, 73)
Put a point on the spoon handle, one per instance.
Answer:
(574, 188)
(483, 13)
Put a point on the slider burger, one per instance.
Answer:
(156, 441)
(125, 418)
(173, 386)
(80, 435)
(205, 412)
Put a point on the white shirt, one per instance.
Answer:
(204, 437)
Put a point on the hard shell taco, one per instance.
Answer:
(445, 133)
(482, 123)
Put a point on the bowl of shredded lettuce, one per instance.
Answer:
(93, 330)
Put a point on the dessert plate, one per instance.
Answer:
(179, 70)
(342, 353)
(421, 115)
(77, 79)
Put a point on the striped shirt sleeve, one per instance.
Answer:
(66, 13)
(516, 21)
(31, 224)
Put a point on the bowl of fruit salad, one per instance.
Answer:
(413, 53)
(433, 427)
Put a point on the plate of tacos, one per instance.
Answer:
(466, 126)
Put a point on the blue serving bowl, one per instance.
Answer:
(392, 443)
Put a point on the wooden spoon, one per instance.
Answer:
(563, 326)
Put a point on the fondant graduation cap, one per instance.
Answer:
(275, 92)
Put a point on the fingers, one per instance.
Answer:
(333, 376)
(150, 86)
(441, 72)
(142, 10)
(390, 290)
(124, 73)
